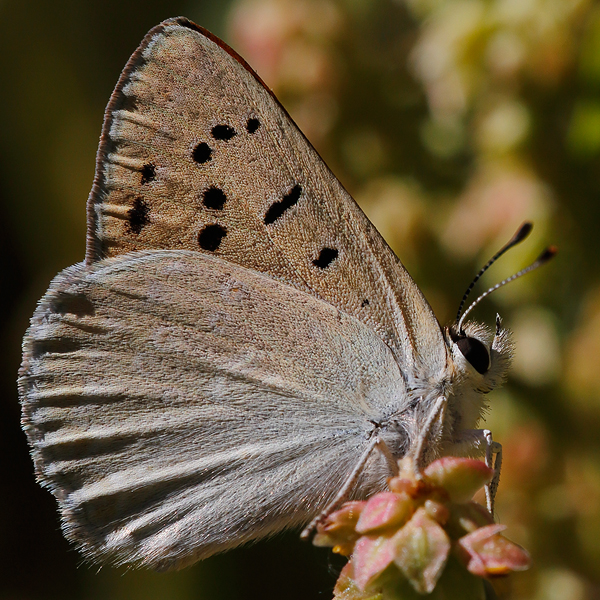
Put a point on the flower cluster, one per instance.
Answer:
(424, 535)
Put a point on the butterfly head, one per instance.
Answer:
(480, 353)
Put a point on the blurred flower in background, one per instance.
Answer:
(451, 122)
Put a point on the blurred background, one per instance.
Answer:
(451, 122)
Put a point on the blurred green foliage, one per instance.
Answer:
(451, 122)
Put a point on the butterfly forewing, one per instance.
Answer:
(177, 404)
(197, 154)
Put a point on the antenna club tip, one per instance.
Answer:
(547, 254)
(522, 232)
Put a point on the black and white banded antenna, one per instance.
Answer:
(519, 236)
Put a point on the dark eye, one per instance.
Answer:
(475, 352)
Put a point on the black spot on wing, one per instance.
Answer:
(252, 125)
(138, 215)
(214, 198)
(364, 303)
(326, 257)
(277, 209)
(211, 236)
(222, 132)
(202, 153)
(148, 173)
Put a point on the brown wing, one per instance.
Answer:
(197, 154)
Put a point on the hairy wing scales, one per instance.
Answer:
(200, 389)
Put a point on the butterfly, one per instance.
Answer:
(239, 342)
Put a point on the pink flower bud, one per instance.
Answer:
(460, 477)
(384, 510)
(488, 554)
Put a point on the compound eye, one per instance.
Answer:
(476, 353)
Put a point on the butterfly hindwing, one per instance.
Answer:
(197, 154)
(177, 406)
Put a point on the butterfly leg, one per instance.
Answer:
(419, 449)
(344, 492)
(491, 448)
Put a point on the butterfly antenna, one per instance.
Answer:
(542, 259)
(519, 236)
